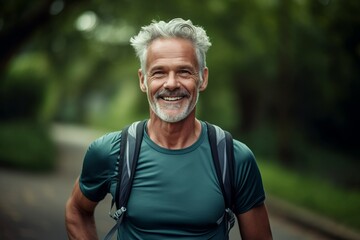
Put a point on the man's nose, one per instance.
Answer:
(171, 81)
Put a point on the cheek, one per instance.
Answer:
(152, 88)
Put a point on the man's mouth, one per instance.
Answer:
(172, 99)
(172, 96)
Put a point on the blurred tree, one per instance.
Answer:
(20, 20)
(334, 118)
(283, 74)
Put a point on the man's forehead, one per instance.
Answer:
(163, 52)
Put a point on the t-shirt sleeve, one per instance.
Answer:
(249, 190)
(99, 166)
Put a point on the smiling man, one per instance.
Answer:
(175, 192)
(172, 79)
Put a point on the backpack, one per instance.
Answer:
(221, 144)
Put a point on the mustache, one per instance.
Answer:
(175, 93)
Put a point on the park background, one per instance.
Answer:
(284, 79)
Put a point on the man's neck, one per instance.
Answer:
(177, 135)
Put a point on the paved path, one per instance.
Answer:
(32, 205)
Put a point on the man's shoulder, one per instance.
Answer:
(242, 153)
(110, 136)
(107, 139)
(241, 146)
(105, 144)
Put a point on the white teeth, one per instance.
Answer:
(172, 98)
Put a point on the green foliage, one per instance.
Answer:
(281, 72)
(312, 193)
(26, 146)
(27, 103)
(26, 92)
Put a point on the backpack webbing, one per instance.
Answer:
(128, 157)
(130, 144)
(221, 144)
(220, 148)
(222, 151)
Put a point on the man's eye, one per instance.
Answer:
(158, 74)
(185, 73)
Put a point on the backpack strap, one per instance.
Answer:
(127, 162)
(222, 150)
(131, 138)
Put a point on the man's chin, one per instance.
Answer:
(169, 119)
(173, 117)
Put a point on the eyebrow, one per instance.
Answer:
(161, 67)
(156, 68)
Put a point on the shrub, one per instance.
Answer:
(26, 146)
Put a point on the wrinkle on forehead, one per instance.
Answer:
(171, 51)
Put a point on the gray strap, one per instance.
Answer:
(118, 216)
(230, 216)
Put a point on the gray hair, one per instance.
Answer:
(175, 28)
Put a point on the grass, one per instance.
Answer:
(26, 146)
(339, 204)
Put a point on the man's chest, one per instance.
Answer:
(175, 191)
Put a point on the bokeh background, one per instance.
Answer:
(284, 79)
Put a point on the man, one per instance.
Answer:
(175, 193)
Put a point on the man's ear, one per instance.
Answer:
(204, 82)
(142, 80)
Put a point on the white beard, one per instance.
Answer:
(160, 111)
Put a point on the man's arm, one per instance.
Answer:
(79, 216)
(254, 224)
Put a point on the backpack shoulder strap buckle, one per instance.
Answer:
(118, 213)
(118, 216)
(230, 215)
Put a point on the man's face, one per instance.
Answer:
(173, 79)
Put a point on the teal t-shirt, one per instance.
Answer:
(175, 193)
